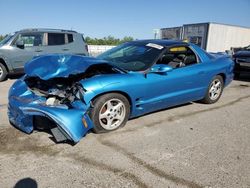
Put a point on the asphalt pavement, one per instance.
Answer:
(193, 145)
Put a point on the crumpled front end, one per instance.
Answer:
(67, 110)
(53, 88)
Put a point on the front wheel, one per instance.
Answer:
(3, 72)
(214, 91)
(110, 112)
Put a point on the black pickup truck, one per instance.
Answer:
(242, 61)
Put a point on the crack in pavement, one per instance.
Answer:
(102, 166)
(152, 169)
(239, 86)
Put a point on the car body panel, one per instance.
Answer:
(146, 91)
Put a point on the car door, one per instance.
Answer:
(32, 43)
(178, 86)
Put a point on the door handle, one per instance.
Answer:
(65, 49)
(38, 50)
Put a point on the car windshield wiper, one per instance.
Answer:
(119, 68)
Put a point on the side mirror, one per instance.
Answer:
(20, 44)
(160, 69)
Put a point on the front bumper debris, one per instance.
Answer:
(71, 124)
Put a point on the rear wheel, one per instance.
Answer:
(3, 72)
(110, 112)
(214, 91)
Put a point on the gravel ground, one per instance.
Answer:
(194, 145)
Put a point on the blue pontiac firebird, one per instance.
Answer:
(71, 94)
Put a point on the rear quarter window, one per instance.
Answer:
(70, 38)
(56, 39)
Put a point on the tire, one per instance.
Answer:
(236, 75)
(214, 90)
(3, 72)
(110, 112)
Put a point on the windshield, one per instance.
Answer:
(133, 56)
(6, 39)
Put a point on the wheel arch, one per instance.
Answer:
(119, 92)
(223, 75)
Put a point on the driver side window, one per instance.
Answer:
(31, 39)
(177, 57)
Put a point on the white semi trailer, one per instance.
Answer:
(213, 37)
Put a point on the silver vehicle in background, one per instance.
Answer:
(18, 48)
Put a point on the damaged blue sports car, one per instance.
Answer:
(71, 95)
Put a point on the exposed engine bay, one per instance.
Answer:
(65, 90)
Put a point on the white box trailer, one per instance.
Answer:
(224, 37)
(213, 37)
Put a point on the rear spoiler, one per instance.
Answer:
(220, 55)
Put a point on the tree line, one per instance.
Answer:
(1, 37)
(110, 40)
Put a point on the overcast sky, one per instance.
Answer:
(119, 18)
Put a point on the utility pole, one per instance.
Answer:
(156, 33)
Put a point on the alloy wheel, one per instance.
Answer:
(215, 89)
(112, 114)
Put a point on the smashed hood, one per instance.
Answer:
(59, 65)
